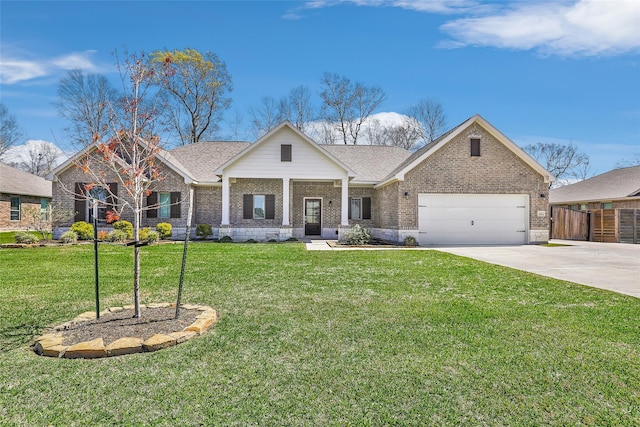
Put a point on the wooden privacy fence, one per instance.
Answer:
(568, 224)
(629, 226)
(598, 225)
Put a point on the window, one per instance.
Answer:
(164, 204)
(360, 208)
(475, 147)
(15, 209)
(84, 196)
(164, 208)
(44, 209)
(608, 205)
(258, 206)
(583, 207)
(285, 153)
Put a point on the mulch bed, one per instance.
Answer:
(112, 326)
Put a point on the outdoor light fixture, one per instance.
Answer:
(329, 203)
(406, 194)
(542, 195)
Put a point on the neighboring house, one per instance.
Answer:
(472, 185)
(21, 196)
(619, 188)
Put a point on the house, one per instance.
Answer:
(472, 185)
(21, 195)
(604, 208)
(619, 188)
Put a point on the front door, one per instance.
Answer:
(312, 217)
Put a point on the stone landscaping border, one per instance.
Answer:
(52, 344)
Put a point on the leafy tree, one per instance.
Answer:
(194, 87)
(85, 100)
(10, 131)
(563, 161)
(348, 105)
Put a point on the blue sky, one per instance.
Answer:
(545, 71)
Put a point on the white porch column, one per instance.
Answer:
(285, 201)
(225, 201)
(344, 214)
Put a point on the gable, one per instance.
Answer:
(263, 159)
(473, 128)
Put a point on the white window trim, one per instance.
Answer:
(12, 210)
(359, 208)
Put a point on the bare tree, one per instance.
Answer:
(10, 131)
(297, 107)
(633, 161)
(266, 116)
(40, 157)
(85, 100)
(404, 134)
(126, 152)
(194, 87)
(430, 115)
(348, 105)
(563, 161)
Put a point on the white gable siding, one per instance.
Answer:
(307, 162)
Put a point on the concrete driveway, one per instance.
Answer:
(612, 266)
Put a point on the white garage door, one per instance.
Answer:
(472, 218)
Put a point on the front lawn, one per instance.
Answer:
(323, 338)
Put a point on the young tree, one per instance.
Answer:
(85, 100)
(126, 152)
(194, 88)
(348, 105)
(10, 131)
(563, 161)
(430, 115)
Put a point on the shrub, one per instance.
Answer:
(272, 241)
(125, 226)
(251, 241)
(152, 236)
(291, 239)
(226, 239)
(204, 230)
(164, 230)
(410, 241)
(357, 235)
(25, 237)
(102, 235)
(83, 230)
(69, 237)
(143, 233)
(117, 236)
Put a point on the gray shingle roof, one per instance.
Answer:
(202, 158)
(613, 185)
(371, 163)
(16, 181)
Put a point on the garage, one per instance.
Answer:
(468, 219)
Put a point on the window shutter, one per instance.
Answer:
(349, 215)
(247, 206)
(175, 197)
(152, 200)
(285, 152)
(366, 208)
(475, 147)
(270, 206)
(80, 205)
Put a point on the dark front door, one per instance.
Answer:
(312, 217)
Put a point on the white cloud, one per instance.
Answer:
(429, 6)
(582, 28)
(15, 69)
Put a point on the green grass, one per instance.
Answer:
(323, 338)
